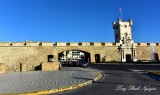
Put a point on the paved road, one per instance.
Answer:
(121, 80)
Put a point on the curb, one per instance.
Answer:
(155, 73)
(99, 76)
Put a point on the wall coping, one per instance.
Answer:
(12, 44)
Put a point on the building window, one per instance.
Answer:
(125, 26)
(50, 58)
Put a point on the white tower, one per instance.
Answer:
(122, 30)
(123, 35)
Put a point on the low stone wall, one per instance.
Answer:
(50, 66)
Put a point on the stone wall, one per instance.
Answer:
(2, 68)
(13, 57)
(28, 56)
(144, 51)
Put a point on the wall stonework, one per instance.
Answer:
(144, 52)
(2, 68)
(31, 56)
(28, 57)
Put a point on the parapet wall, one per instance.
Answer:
(147, 44)
(26, 44)
(70, 44)
(86, 44)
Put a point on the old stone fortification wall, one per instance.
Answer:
(33, 54)
(144, 51)
(30, 54)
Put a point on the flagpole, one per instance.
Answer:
(120, 9)
(121, 14)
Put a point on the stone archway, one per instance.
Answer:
(67, 56)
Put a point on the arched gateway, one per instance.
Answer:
(74, 57)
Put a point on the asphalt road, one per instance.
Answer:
(126, 79)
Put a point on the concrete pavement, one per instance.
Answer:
(35, 81)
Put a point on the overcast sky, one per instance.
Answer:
(76, 20)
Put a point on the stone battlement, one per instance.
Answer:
(26, 44)
(85, 44)
(147, 44)
(69, 44)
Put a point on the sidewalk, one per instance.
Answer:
(35, 81)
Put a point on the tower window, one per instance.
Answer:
(117, 35)
(125, 26)
(125, 35)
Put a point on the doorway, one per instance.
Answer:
(128, 58)
(97, 58)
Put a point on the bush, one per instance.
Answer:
(104, 59)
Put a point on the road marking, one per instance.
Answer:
(152, 76)
(138, 71)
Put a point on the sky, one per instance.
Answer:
(76, 20)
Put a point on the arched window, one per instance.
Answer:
(50, 58)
